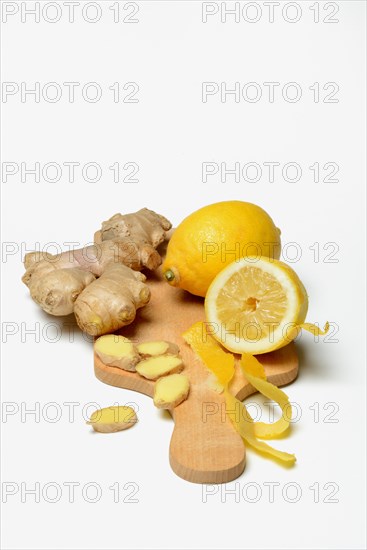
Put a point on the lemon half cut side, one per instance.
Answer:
(255, 305)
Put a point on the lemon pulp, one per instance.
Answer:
(255, 305)
(251, 300)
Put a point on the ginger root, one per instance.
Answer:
(156, 367)
(111, 301)
(113, 419)
(170, 391)
(117, 351)
(152, 349)
(101, 283)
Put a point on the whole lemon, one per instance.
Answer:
(214, 236)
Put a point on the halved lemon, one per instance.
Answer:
(254, 305)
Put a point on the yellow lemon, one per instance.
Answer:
(213, 237)
(255, 305)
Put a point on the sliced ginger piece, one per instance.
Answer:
(117, 351)
(171, 390)
(156, 367)
(161, 347)
(113, 419)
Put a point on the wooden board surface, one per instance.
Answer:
(205, 448)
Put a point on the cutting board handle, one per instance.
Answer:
(205, 448)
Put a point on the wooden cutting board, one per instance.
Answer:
(205, 448)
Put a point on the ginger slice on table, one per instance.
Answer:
(113, 419)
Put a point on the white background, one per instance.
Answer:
(169, 133)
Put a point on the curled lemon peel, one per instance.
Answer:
(212, 354)
(255, 375)
(314, 329)
(245, 426)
